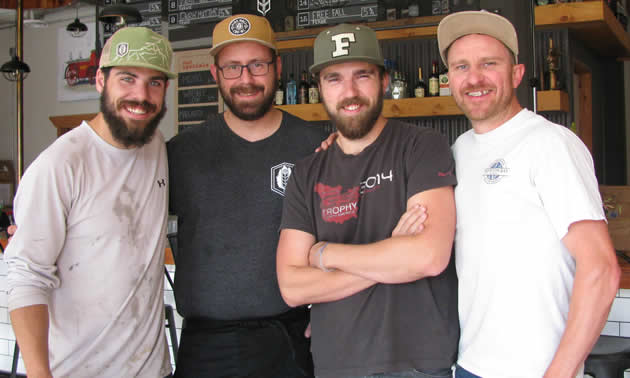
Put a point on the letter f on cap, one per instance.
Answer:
(342, 43)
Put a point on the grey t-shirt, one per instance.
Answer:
(227, 193)
(359, 199)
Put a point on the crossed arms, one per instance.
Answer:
(398, 259)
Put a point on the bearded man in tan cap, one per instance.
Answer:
(85, 277)
(228, 182)
(537, 270)
(384, 305)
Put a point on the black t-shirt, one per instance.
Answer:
(358, 199)
(227, 193)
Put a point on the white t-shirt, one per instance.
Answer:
(90, 244)
(519, 188)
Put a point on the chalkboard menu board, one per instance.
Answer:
(331, 16)
(193, 78)
(197, 93)
(195, 113)
(151, 12)
(319, 4)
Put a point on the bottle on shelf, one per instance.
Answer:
(434, 80)
(313, 92)
(552, 60)
(445, 89)
(390, 73)
(279, 93)
(303, 89)
(291, 91)
(421, 87)
(399, 87)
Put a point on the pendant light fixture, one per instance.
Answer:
(15, 69)
(77, 29)
(120, 15)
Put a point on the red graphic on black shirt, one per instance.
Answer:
(336, 205)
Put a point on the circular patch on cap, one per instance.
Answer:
(239, 26)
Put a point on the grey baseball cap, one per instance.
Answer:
(345, 43)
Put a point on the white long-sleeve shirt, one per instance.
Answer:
(90, 244)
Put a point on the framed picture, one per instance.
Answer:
(76, 65)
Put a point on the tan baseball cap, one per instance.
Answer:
(242, 27)
(138, 47)
(459, 24)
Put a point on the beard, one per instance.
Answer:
(121, 132)
(360, 125)
(248, 111)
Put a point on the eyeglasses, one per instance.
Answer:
(234, 71)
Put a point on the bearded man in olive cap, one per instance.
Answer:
(85, 265)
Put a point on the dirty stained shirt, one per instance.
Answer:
(90, 244)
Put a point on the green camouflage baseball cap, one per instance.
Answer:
(138, 47)
(345, 43)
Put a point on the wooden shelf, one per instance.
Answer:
(549, 101)
(425, 107)
(407, 28)
(591, 21)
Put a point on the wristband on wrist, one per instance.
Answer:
(320, 252)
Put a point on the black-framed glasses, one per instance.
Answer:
(234, 71)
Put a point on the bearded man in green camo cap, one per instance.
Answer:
(384, 301)
(85, 265)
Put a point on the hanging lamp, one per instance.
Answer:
(77, 29)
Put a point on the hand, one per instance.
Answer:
(307, 331)
(411, 222)
(313, 255)
(327, 142)
(11, 230)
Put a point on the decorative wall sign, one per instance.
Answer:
(76, 65)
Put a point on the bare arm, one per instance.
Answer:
(403, 258)
(301, 284)
(30, 325)
(594, 288)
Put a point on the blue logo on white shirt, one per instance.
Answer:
(498, 169)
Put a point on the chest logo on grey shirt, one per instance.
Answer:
(497, 170)
(280, 177)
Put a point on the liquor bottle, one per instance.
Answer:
(421, 88)
(313, 92)
(434, 80)
(303, 89)
(399, 87)
(436, 7)
(553, 67)
(445, 89)
(390, 75)
(291, 91)
(280, 93)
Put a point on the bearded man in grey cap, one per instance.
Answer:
(383, 305)
(537, 270)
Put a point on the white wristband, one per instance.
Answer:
(320, 252)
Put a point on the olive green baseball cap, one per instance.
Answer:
(459, 24)
(138, 47)
(346, 43)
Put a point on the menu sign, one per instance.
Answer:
(318, 4)
(190, 79)
(329, 16)
(180, 5)
(197, 96)
(196, 113)
(198, 16)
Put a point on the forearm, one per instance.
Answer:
(30, 325)
(394, 260)
(301, 285)
(593, 293)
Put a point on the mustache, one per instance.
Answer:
(353, 100)
(246, 88)
(144, 104)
